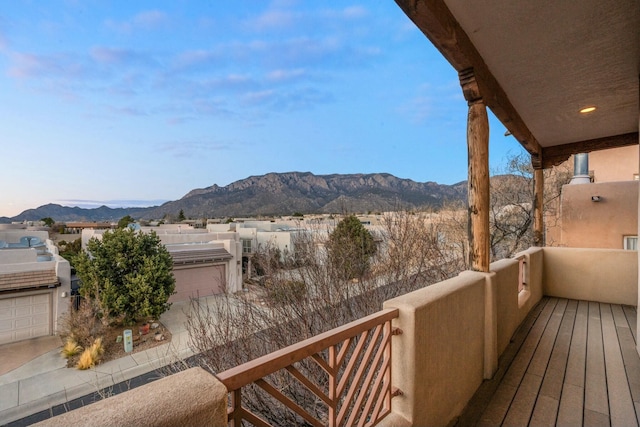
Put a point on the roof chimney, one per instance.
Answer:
(581, 169)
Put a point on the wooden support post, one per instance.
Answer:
(538, 207)
(478, 175)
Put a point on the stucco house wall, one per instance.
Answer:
(586, 223)
(617, 164)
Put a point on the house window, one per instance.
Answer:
(631, 243)
(246, 246)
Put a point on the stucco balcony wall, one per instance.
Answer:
(189, 398)
(603, 275)
(438, 361)
(511, 306)
(455, 331)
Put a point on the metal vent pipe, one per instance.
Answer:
(581, 169)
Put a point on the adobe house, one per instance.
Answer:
(598, 207)
(35, 285)
(204, 263)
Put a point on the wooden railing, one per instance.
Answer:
(340, 377)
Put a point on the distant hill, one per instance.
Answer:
(287, 193)
(67, 214)
(277, 194)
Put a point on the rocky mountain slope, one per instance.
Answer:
(277, 194)
(304, 192)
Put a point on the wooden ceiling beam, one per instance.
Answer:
(553, 156)
(435, 20)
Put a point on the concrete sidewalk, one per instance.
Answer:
(44, 382)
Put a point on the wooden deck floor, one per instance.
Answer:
(570, 363)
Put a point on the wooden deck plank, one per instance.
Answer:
(519, 412)
(506, 391)
(571, 410)
(620, 402)
(632, 367)
(497, 409)
(578, 349)
(487, 390)
(595, 385)
(540, 360)
(554, 376)
(593, 351)
(595, 419)
(545, 411)
(629, 355)
(521, 362)
(547, 406)
(631, 313)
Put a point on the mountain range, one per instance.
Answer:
(276, 194)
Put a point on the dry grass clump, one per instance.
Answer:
(82, 325)
(91, 356)
(70, 348)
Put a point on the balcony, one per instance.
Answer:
(471, 349)
(570, 363)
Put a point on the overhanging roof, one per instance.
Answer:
(26, 280)
(538, 63)
(194, 256)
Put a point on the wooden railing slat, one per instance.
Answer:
(253, 419)
(374, 383)
(376, 390)
(380, 405)
(343, 351)
(323, 364)
(307, 383)
(288, 402)
(332, 409)
(249, 372)
(352, 362)
(361, 391)
(236, 407)
(379, 417)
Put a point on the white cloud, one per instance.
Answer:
(273, 19)
(150, 19)
(286, 75)
(354, 12)
(146, 20)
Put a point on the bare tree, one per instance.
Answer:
(512, 194)
(312, 296)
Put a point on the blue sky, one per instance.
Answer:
(135, 103)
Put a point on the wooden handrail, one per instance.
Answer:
(253, 370)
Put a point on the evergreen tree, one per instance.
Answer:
(125, 221)
(128, 274)
(350, 248)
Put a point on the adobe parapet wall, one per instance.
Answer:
(189, 398)
(453, 334)
(603, 275)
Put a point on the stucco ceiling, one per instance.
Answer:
(550, 58)
(553, 58)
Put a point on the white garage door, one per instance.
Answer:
(24, 317)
